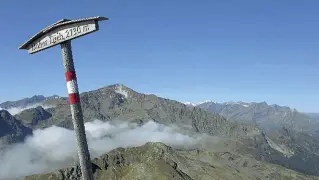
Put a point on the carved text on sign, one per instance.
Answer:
(61, 34)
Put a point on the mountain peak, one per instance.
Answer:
(121, 89)
(37, 96)
(54, 97)
(117, 85)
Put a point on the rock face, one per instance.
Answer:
(158, 161)
(266, 117)
(294, 150)
(11, 130)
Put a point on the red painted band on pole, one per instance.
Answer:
(74, 98)
(70, 75)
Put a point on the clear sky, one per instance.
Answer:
(185, 50)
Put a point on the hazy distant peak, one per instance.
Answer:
(54, 97)
(237, 103)
(197, 103)
(212, 102)
(23, 102)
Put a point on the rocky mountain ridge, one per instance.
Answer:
(25, 102)
(158, 161)
(118, 102)
(266, 117)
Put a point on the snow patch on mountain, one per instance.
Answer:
(197, 103)
(119, 89)
(209, 101)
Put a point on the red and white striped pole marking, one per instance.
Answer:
(72, 87)
(76, 110)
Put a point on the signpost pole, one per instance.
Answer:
(62, 32)
(76, 110)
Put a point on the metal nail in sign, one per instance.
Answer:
(62, 32)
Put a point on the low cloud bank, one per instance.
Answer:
(17, 110)
(53, 148)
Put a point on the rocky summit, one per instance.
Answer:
(158, 161)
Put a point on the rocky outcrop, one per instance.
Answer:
(151, 161)
(158, 161)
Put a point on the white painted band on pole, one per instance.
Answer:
(72, 87)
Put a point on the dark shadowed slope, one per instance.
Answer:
(11, 130)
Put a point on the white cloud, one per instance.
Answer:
(53, 148)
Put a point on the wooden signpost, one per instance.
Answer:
(62, 32)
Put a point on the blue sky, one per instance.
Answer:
(183, 49)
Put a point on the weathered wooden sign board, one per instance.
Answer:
(62, 32)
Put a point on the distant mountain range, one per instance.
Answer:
(266, 117)
(22, 103)
(268, 133)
